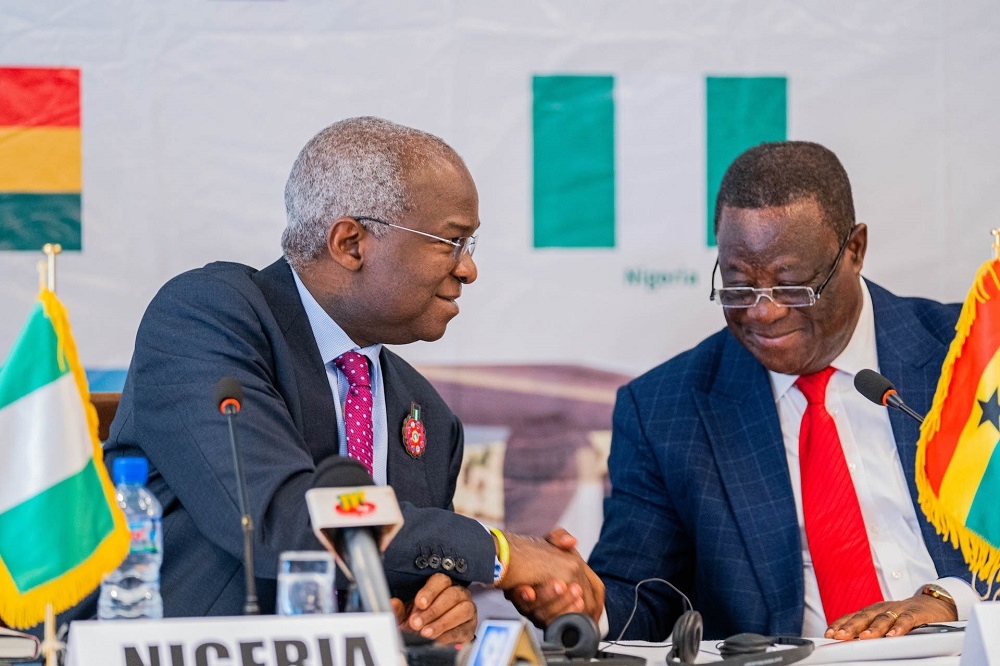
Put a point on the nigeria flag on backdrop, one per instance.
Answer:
(61, 530)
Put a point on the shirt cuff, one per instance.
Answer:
(604, 626)
(965, 596)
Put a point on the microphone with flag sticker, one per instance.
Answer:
(355, 520)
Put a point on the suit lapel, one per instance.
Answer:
(742, 424)
(907, 355)
(911, 358)
(314, 414)
(407, 476)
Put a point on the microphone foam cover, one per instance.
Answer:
(341, 471)
(228, 388)
(872, 385)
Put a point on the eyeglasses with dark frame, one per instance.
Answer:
(461, 245)
(797, 296)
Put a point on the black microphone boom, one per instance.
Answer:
(357, 546)
(229, 397)
(880, 390)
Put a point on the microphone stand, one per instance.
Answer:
(250, 606)
(369, 576)
(892, 399)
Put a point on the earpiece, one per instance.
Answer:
(741, 644)
(685, 640)
(577, 634)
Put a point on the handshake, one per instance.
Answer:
(543, 578)
(547, 577)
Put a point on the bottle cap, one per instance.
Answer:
(130, 470)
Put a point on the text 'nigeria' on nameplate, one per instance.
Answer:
(362, 639)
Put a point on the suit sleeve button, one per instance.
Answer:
(461, 566)
(434, 561)
(448, 563)
(421, 562)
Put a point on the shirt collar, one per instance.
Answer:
(860, 351)
(330, 337)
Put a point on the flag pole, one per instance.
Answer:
(996, 242)
(51, 250)
(50, 646)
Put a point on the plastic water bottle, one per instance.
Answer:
(133, 589)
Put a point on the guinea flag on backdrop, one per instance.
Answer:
(958, 460)
(61, 529)
(40, 158)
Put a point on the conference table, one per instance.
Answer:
(306, 638)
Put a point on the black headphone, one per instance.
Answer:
(576, 636)
(735, 650)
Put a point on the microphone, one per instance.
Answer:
(229, 398)
(880, 390)
(348, 512)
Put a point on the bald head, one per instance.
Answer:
(356, 167)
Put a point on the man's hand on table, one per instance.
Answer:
(441, 611)
(892, 618)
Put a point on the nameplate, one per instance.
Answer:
(982, 636)
(361, 639)
(505, 643)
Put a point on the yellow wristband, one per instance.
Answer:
(503, 555)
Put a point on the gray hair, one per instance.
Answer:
(356, 167)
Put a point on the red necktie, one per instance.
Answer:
(357, 407)
(835, 529)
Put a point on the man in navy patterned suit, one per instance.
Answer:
(705, 465)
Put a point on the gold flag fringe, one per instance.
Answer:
(982, 556)
(23, 609)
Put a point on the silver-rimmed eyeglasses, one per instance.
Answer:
(797, 296)
(461, 245)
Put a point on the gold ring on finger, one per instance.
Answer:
(892, 615)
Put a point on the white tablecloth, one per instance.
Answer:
(917, 650)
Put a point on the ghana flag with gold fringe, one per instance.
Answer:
(61, 529)
(40, 158)
(958, 459)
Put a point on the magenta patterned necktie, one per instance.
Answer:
(358, 407)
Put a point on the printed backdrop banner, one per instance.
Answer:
(596, 131)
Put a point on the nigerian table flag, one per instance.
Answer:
(60, 527)
(958, 460)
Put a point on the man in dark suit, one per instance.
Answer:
(716, 483)
(381, 230)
